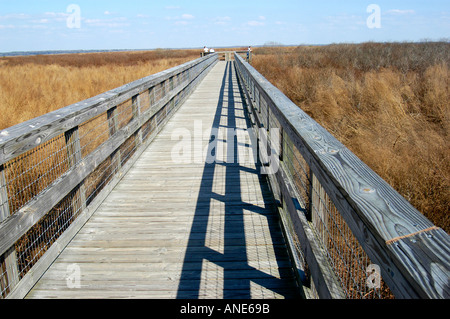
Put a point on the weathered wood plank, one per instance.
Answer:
(4, 203)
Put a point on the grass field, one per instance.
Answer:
(388, 103)
(31, 86)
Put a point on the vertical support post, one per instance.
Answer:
(310, 196)
(10, 257)
(281, 155)
(136, 109)
(253, 91)
(151, 96)
(163, 89)
(170, 83)
(74, 156)
(258, 100)
(4, 202)
(319, 214)
(113, 125)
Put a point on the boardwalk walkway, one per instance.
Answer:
(186, 226)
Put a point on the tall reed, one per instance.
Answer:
(31, 86)
(387, 102)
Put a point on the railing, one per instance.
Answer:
(56, 169)
(345, 225)
(229, 55)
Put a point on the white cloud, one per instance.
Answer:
(343, 22)
(109, 23)
(15, 16)
(187, 16)
(181, 20)
(221, 20)
(254, 23)
(257, 23)
(400, 12)
(9, 26)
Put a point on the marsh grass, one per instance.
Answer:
(31, 86)
(387, 102)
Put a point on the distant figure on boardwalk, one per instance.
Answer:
(249, 50)
(205, 50)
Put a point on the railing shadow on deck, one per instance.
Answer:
(234, 259)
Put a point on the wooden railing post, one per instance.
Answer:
(12, 270)
(136, 109)
(318, 210)
(74, 156)
(113, 127)
(4, 208)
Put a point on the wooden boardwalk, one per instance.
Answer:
(180, 225)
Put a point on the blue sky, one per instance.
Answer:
(138, 24)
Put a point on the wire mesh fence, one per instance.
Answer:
(344, 255)
(26, 177)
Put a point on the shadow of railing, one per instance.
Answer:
(238, 272)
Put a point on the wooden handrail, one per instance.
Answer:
(413, 254)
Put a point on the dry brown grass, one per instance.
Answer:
(388, 103)
(35, 85)
(31, 86)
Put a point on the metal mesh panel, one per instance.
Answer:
(144, 101)
(298, 169)
(97, 180)
(4, 285)
(124, 113)
(43, 234)
(148, 128)
(93, 133)
(345, 254)
(128, 148)
(30, 173)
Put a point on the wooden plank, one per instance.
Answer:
(4, 203)
(424, 254)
